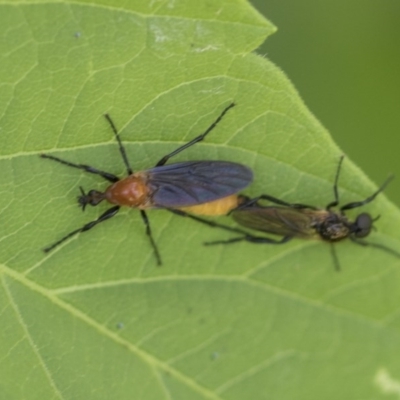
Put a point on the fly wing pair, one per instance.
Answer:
(283, 221)
(191, 183)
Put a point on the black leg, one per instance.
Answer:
(375, 245)
(246, 236)
(335, 186)
(335, 258)
(103, 217)
(228, 241)
(251, 239)
(121, 146)
(86, 168)
(368, 199)
(207, 222)
(272, 199)
(196, 139)
(148, 233)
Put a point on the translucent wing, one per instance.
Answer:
(196, 182)
(283, 221)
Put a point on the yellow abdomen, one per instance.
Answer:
(216, 207)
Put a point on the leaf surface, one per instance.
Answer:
(96, 318)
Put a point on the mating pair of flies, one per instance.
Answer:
(211, 188)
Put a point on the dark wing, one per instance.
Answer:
(195, 182)
(283, 221)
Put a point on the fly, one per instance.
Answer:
(304, 221)
(200, 187)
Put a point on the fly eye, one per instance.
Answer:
(364, 225)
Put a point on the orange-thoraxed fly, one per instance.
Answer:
(200, 187)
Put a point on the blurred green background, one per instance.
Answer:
(343, 56)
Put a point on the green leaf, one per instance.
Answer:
(96, 318)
